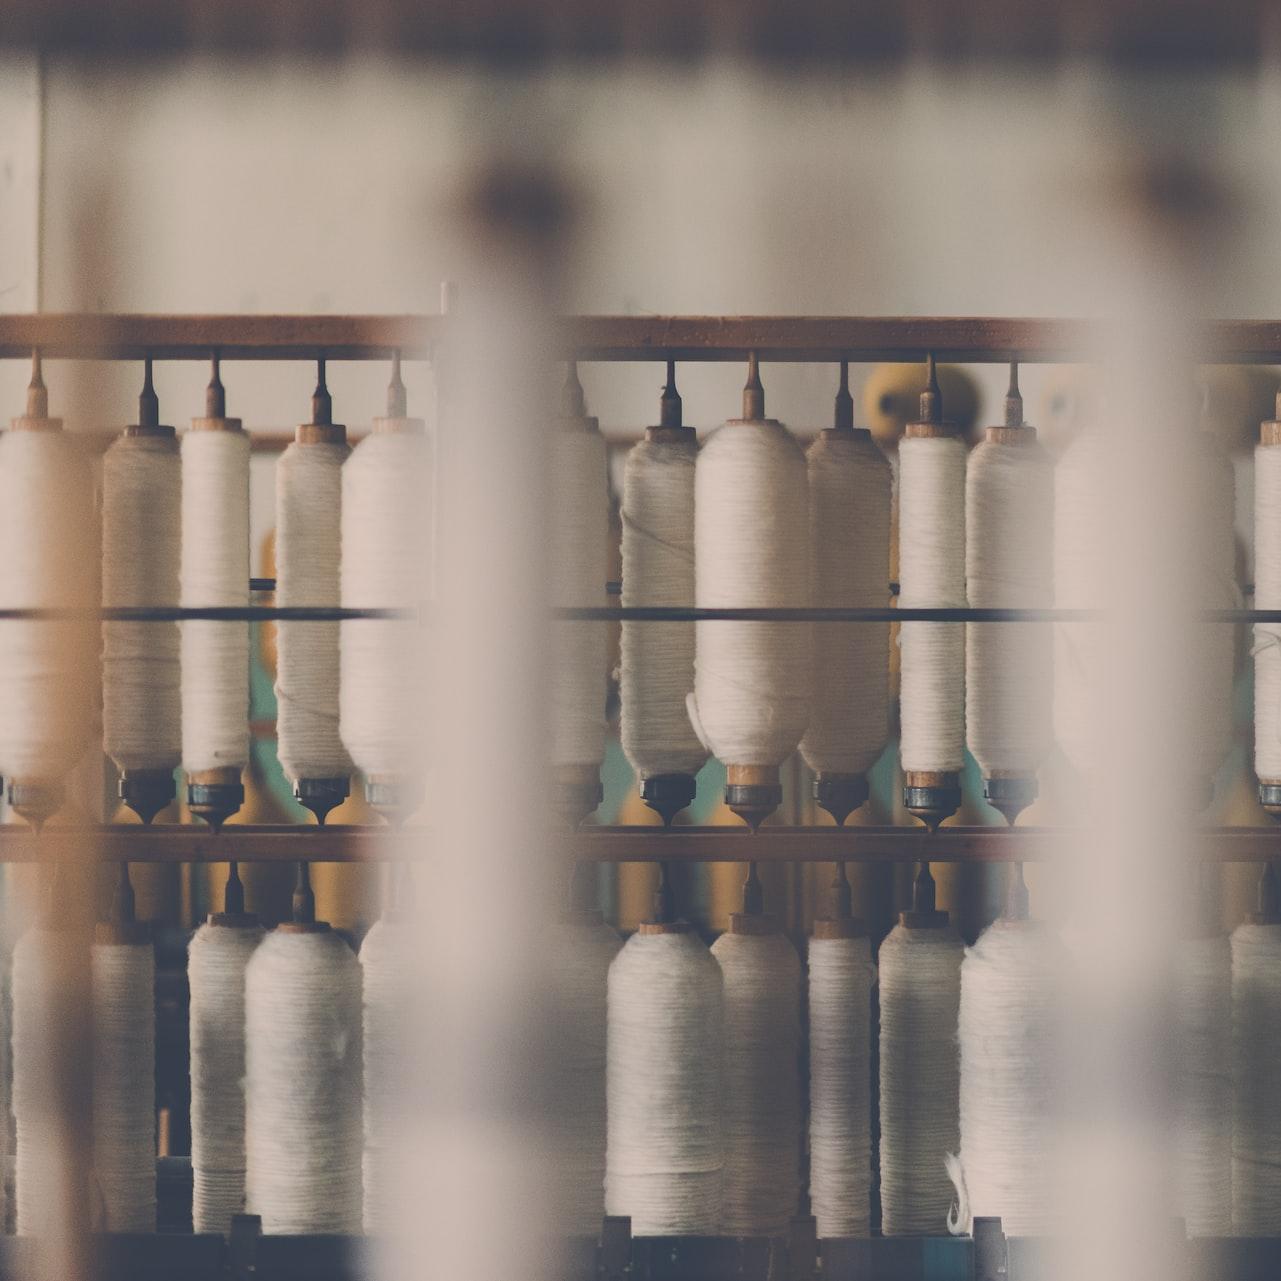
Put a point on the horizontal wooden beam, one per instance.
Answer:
(285, 842)
(968, 339)
(873, 844)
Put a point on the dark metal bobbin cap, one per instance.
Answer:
(215, 802)
(146, 791)
(1270, 798)
(1268, 911)
(932, 796)
(1011, 794)
(840, 794)
(35, 801)
(668, 794)
(320, 795)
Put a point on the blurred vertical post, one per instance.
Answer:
(485, 897)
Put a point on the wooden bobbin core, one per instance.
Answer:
(399, 427)
(216, 424)
(670, 435)
(1006, 435)
(759, 924)
(753, 792)
(134, 933)
(303, 927)
(320, 434)
(930, 431)
(29, 422)
(842, 927)
(1270, 432)
(664, 927)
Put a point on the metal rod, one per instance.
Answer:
(211, 613)
(878, 614)
(971, 339)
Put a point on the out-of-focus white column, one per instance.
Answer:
(488, 881)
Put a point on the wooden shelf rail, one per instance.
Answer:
(969, 339)
(277, 843)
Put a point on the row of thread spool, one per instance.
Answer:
(688, 1090)
(295, 1084)
(285, 1026)
(748, 520)
(175, 533)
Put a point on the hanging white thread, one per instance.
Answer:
(840, 984)
(752, 681)
(1256, 1080)
(386, 515)
(657, 667)
(303, 1084)
(663, 1082)
(580, 956)
(43, 987)
(762, 1082)
(215, 571)
(1203, 1129)
(1007, 1023)
(386, 964)
(920, 987)
(141, 552)
(124, 1084)
(1009, 496)
(579, 548)
(216, 961)
(48, 669)
(1267, 595)
(931, 501)
(308, 553)
(849, 488)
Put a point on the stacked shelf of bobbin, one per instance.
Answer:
(708, 503)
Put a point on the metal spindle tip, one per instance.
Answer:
(843, 415)
(215, 393)
(753, 392)
(573, 402)
(322, 404)
(670, 407)
(148, 401)
(397, 397)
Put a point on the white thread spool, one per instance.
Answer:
(217, 959)
(47, 668)
(1009, 496)
(1267, 595)
(664, 1051)
(1081, 522)
(386, 519)
(579, 548)
(920, 990)
(752, 680)
(141, 556)
(657, 661)
(762, 978)
(1207, 515)
(931, 498)
(386, 964)
(308, 555)
(582, 949)
(43, 988)
(841, 975)
(1007, 1023)
(849, 489)
(303, 1083)
(1256, 1076)
(215, 571)
(1203, 1133)
(124, 1084)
